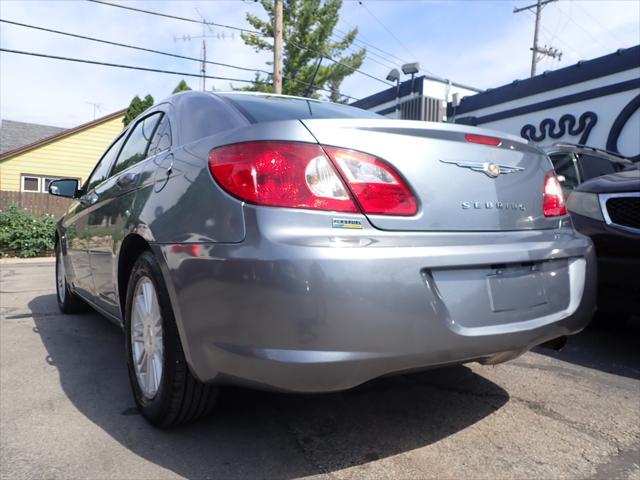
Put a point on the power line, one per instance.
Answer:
(143, 49)
(117, 65)
(613, 35)
(389, 31)
(176, 17)
(333, 60)
(369, 44)
(148, 69)
(582, 28)
(253, 32)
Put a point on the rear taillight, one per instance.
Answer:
(280, 174)
(482, 139)
(377, 187)
(553, 204)
(302, 175)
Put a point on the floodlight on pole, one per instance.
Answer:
(411, 68)
(394, 76)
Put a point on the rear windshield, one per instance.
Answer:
(265, 108)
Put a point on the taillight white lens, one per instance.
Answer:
(377, 187)
(323, 180)
(553, 204)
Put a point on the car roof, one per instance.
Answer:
(576, 148)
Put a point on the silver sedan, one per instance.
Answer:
(299, 245)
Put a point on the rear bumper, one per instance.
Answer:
(324, 313)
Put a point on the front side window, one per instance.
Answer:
(564, 165)
(135, 148)
(101, 172)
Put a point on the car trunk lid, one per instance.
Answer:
(460, 185)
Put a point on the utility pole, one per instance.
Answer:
(277, 47)
(536, 49)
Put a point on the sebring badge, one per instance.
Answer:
(488, 168)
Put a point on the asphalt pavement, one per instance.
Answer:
(66, 411)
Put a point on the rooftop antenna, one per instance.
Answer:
(97, 107)
(207, 32)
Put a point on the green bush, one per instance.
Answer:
(24, 234)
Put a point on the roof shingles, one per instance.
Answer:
(14, 135)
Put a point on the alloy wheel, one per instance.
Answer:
(146, 337)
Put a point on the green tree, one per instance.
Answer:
(307, 29)
(136, 107)
(181, 87)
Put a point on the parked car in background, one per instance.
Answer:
(306, 246)
(575, 164)
(607, 209)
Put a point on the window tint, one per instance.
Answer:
(162, 138)
(135, 148)
(202, 115)
(267, 108)
(563, 165)
(595, 166)
(101, 172)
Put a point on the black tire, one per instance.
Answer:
(180, 397)
(68, 301)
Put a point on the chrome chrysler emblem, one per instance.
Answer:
(488, 168)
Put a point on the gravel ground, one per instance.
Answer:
(66, 411)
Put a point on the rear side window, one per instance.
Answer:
(162, 138)
(596, 166)
(135, 148)
(265, 108)
(564, 165)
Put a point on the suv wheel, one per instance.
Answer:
(165, 391)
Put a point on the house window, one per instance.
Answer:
(36, 183)
(47, 181)
(30, 184)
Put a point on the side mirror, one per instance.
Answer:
(67, 187)
(561, 178)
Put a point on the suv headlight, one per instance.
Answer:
(585, 204)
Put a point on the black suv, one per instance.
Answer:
(603, 193)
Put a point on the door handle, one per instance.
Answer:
(127, 179)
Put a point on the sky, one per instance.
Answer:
(480, 43)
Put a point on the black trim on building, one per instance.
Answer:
(621, 60)
(555, 102)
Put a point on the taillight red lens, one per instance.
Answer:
(553, 204)
(280, 174)
(303, 175)
(482, 139)
(376, 186)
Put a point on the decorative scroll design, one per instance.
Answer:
(619, 124)
(566, 124)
